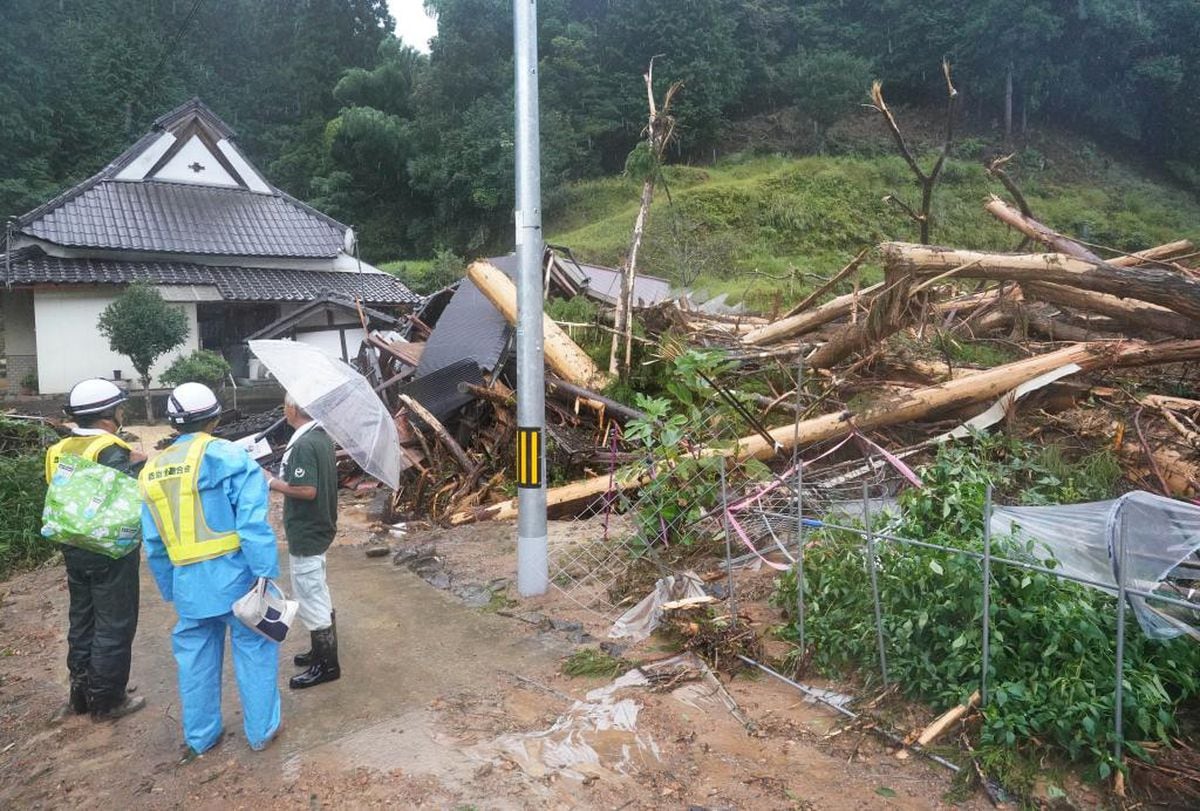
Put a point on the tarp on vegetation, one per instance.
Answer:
(1161, 537)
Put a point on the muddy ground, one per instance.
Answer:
(434, 694)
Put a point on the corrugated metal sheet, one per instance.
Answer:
(469, 328)
(438, 390)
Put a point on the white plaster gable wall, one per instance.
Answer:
(71, 348)
(195, 153)
(144, 162)
(253, 179)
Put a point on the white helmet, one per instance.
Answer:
(93, 396)
(192, 402)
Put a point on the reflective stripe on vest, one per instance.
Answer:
(89, 447)
(170, 485)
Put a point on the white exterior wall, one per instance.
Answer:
(18, 322)
(71, 348)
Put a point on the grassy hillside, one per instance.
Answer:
(765, 228)
(754, 227)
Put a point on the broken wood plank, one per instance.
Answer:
(562, 354)
(1162, 287)
(946, 720)
(436, 426)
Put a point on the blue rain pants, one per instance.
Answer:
(199, 646)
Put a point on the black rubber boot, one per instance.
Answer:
(127, 706)
(325, 661)
(306, 659)
(76, 704)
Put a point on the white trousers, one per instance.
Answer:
(311, 591)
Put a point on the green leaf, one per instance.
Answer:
(936, 567)
(884, 791)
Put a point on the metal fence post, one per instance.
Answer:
(728, 542)
(987, 595)
(798, 462)
(1118, 697)
(874, 581)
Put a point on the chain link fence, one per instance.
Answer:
(664, 511)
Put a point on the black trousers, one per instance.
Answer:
(104, 614)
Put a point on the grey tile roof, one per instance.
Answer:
(184, 218)
(30, 266)
(170, 217)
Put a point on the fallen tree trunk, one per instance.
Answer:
(562, 354)
(1036, 231)
(1056, 329)
(955, 394)
(827, 286)
(890, 311)
(1136, 314)
(808, 321)
(611, 406)
(1175, 292)
(915, 405)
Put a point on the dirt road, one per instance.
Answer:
(427, 692)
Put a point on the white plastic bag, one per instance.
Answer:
(265, 613)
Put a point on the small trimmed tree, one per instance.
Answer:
(143, 327)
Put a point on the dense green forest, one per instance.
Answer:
(417, 150)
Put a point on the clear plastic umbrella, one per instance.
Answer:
(340, 399)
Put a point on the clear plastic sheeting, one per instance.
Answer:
(640, 621)
(1157, 539)
(342, 400)
(596, 737)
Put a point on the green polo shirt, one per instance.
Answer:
(311, 525)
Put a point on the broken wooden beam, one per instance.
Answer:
(562, 354)
(436, 426)
(1162, 287)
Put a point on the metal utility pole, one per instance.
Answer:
(532, 564)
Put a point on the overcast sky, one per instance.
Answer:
(413, 25)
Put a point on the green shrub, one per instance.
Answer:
(22, 495)
(1053, 642)
(202, 366)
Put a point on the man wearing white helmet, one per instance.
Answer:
(103, 591)
(204, 526)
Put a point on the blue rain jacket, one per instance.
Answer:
(233, 495)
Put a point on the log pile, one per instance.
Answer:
(893, 357)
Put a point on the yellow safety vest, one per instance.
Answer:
(89, 447)
(169, 485)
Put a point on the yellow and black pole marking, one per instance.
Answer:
(529, 457)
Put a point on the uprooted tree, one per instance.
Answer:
(143, 327)
(645, 162)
